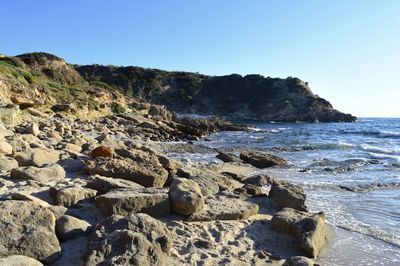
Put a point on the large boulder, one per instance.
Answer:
(288, 195)
(67, 196)
(19, 260)
(28, 229)
(69, 227)
(143, 173)
(137, 239)
(225, 207)
(308, 229)
(37, 157)
(261, 159)
(154, 202)
(45, 174)
(104, 184)
(186, 197)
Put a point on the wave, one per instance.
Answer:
(376, 133)
(354, 188)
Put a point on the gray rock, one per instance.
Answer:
(288, 195)
(186, 197)
(136, 239)
(27, 229)
(7, 163)
(125, 201)
(69, 227)
(37, 157)
(261, 159)
(308, 229)
(298, 261)
(19, 260)
(45, 174)
(227, 157)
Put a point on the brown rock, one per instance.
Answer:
(71, 195)
(37, 157)
(261, 159)
(69, 227)
(288, 195)
(45, 174)
(5, 148)
(102, 151)
(104, 184)
(186, 197)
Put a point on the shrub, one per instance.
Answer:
(117, 108)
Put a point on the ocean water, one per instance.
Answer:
(351, 171)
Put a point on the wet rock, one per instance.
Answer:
(137, 239)
(37, 157)
(104, 184)
(27, 229)
(222, 207)
(68, 196)
(288, 195)
(7, 163)
(143, 173)
(308, 229)
(5, 148)
(69, 227)
(227, 157)
(102, 151)
(45, 174)
(154, 202)
(19, 260)
(261, 159)
(186, 197)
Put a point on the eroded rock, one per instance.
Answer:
(186, 197)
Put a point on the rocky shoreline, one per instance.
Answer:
(105, 192)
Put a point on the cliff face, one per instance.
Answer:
(48, 78)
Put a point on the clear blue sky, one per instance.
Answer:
(348, 50)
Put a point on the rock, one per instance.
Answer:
(5, 148)
(7, 163)
(137, 239)
(57, 210)
(23, 142)
(73, 252)
(251, 190)
(60, 107)
(69, 227)
(27, 229)
(33, 129)
(70, 147)
(102, 151)
(298, 261)
(186, 197)
(35, 112)
(261, 180)
(72, 166)
(45, 174)
(143, 173)
(227, 157)
(4, 132)
(68, 196)
(261, 159)
(37, 157)
(104, 184)
(288, 195)
(308, 229)
(225, 208)
(19, 260)
(211, 182)
(154, 202)
(30, 198)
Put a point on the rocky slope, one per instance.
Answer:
(40, 79)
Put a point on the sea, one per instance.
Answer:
(351, 171)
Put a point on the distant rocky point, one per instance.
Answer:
(42, 79)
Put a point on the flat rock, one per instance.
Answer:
(143, 173)
(288, 195)
(307, 229)
(137, 239)
(19, 260)
(104, 184)
(30, 198)
(69, 227)
(210, 182)
(154, 202)
(225, 208)
(261, 159)
(37, 157)
(27, 229)
(7, 163)
(45, 174)
(68, 196)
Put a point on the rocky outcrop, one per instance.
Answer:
(28, 229)
(308, 229)
(137, 239)
(261, 159)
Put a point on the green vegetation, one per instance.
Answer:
(117, 108)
